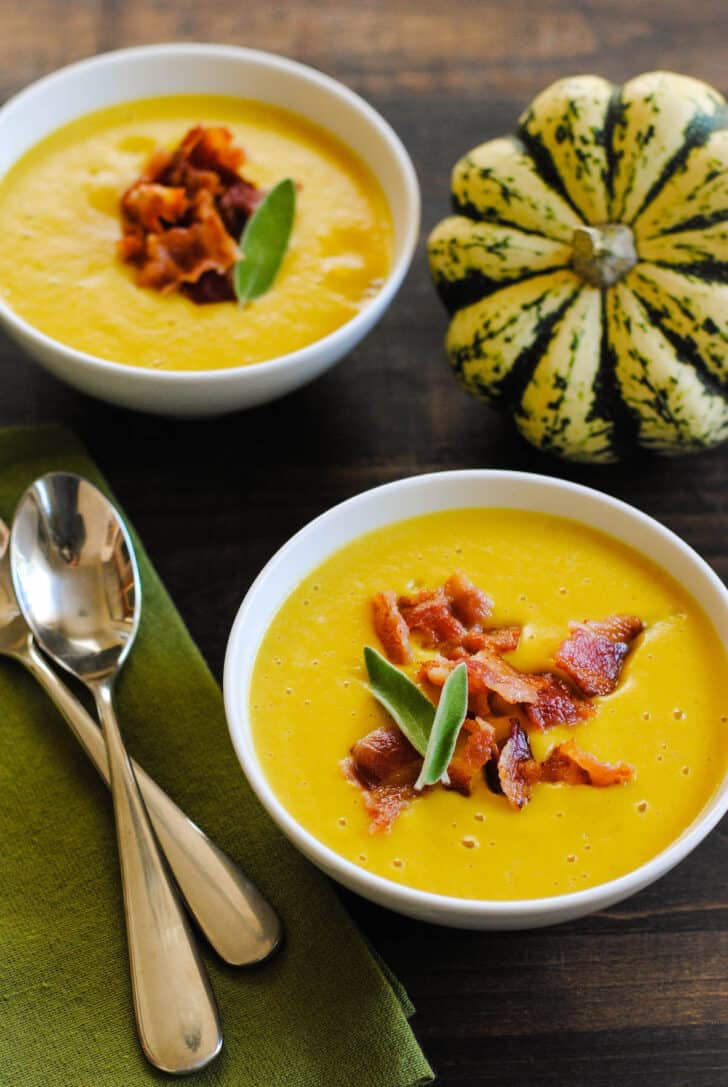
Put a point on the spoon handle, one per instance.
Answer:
(176, 1014)
(234, 916)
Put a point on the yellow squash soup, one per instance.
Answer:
(668, 716)
(60, 223)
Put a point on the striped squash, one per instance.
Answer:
(586, 268)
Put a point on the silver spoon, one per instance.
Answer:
(235, 917)
(77, 584)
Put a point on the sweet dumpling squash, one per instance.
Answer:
(586, 268)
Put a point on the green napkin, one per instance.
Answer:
(323, 1012)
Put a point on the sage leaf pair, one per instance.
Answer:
(264, 242)
(432, 731)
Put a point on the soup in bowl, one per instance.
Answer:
(588, 751)
(137, 187)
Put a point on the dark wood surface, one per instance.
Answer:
(637, 995)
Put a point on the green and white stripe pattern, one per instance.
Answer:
(591, 372)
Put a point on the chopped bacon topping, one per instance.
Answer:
(152, 205)
(430, 613)
(448, 618)
(385, 766)
(391, 628)
(568, 763)
(182, 254)
(557, 704)
(383, 803)
(182, 219)
(594, 652)
(488, 672)
(469, 603)
(475, 746)
(516, 767)
(451, 620)
(500, 640)
(386, 757)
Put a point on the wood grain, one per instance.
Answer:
(636, 996)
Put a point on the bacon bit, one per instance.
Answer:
(618, 628)
(383, 803)
(557, 704)
(391, 628)
(238, 204)
(499, 640)
(210, 149)
(479, 703)
(210, 287)
(181, 220)
(181, 255)
(568, 763)
(469, 603)
(155, 206)
(431, 615)
(594, 652)
(475, 746)
(516, 767)
(386, 757)
(488, 672)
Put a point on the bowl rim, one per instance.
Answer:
(399, 896)
(293, 359)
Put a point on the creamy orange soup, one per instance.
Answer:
(59, 221)
(668, 717)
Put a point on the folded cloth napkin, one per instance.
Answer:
(323, 1013)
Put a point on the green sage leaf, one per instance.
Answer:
(403, 699)
(449, 717)
(264, 241)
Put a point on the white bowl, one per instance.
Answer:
(409, 498)
(212, 69)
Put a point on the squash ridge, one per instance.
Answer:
(547, 168)
(696, 134)
(511, 387)
(685, 349)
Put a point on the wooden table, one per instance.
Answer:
(637, 995)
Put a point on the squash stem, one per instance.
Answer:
(603, 254)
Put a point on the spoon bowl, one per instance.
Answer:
(74, 571)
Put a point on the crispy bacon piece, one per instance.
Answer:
(557, 704)
(594, 652)
(448, 618)
(386, 757)
(210, 287)
(385, 767)
(212, 149)
(238, 204)
(155, 206)
(517, 768)
(183, 254)
(391, 628)
(488, 672)
(383, 803)
(181, 220)
(568, 763)
(469, 603)
(475, 746)
(500, 640)
(430, 613)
